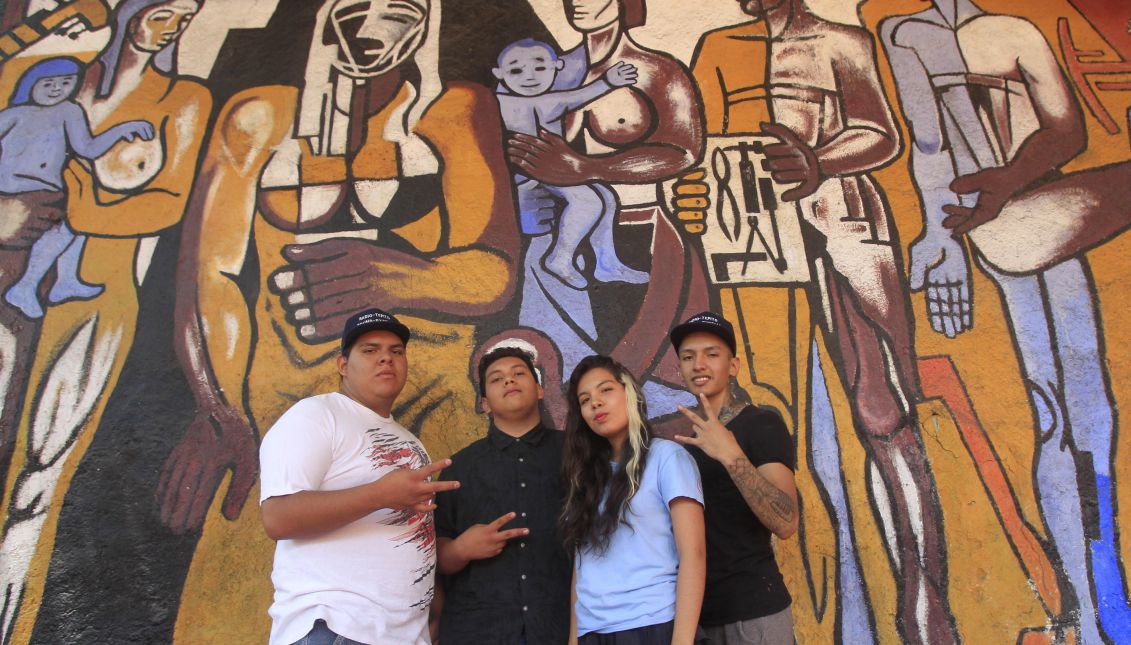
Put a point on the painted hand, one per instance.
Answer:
(483, 541)
(131, 130)
(940, 264)
(327, 281)
(709, 434)
(216, 442)
(547, 158)
(994, 187)
(691, 196)
(790, 161)
(621, 74)
(536, 207)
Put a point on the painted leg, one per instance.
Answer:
(906, 501)
(583, 209)
(1091, 421)
(68, 285)
(1057, 480)
(24, 294)
(608, 267)
(904, 494)
(65, 399)
(563, 314)
(855, 623)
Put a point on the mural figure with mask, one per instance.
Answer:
(374, 183)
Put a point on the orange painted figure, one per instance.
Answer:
(813, 84)
(121, 202)
(374, 185)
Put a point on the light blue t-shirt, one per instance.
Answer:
(633, 583)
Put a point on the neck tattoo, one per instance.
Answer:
(731, 409)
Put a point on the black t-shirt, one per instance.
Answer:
(524, 591)
(743, 580)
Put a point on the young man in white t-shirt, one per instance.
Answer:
(347, 493)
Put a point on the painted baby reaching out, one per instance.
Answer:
(526, 71)
(41, 126)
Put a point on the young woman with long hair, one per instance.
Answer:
(633, 516)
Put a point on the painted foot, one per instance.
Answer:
(564, 270)
(25, 300)
(72, 290)
(617, 272)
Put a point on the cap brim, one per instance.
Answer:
(681, 332)
(397, 328)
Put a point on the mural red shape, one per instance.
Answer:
(1084, 64)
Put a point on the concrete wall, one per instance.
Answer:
(931, 293)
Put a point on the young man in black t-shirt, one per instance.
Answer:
(746, 460)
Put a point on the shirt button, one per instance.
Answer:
(520, 459)
(524, 513)
(523, 484)
(524, 607)
(524, 576)
(522, 545)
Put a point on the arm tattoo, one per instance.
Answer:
(771, 506)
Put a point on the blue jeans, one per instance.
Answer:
(320, 634)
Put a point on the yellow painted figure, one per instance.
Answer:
(373, 186)
(122, 202)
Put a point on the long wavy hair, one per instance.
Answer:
(585, 521)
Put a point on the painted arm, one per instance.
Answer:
(620, 74)
(691, 543)
(675, 144)
(471, 275)
(161, 202)
(311, 513)
(212, 317)
(938, 262)
(868, 140)
(88, 146)
(8, 121)
(1060, 137)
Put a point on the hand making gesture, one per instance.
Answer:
(483, 541)
(710, 435)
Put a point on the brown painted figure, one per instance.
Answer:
(629, 139)
(813, 84)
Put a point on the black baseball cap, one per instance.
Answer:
(372, 320)
(709, 322)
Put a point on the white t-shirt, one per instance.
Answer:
(371, 580)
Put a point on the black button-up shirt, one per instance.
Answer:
(523, 591)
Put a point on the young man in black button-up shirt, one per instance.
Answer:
(508, 575)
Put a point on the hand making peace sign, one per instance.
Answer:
(710, 435)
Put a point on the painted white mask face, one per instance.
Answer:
(374, 36)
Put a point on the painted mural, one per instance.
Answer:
(912, 211)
